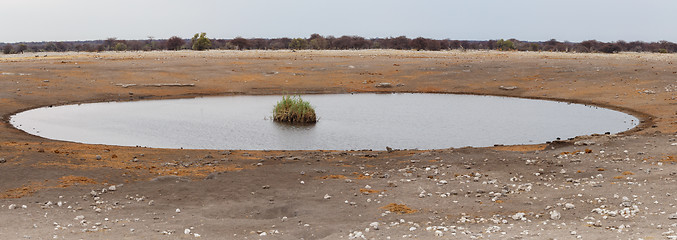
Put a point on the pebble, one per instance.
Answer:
(2, 160)
(178, 210)
(673, 216)
(356, 235)
(98, 157)
(326, 196)
(518, 216)
(569, 206)
(555, 215)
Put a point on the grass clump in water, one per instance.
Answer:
(294, 110)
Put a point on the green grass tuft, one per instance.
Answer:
(292, 109)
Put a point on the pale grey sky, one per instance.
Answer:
(532, 20)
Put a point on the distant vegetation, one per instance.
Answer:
(200, 42)
(318, 42)
(294, 110)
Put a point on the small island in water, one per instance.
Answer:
(293, 110)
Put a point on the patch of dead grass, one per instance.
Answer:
(399, 208)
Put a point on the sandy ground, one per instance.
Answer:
(592, 187)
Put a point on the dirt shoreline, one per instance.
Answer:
(501, 192)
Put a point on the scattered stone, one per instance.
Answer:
(112, 188)
(326, 196)
(12, 206)
(356, 235)
(519, 216)
(673, 216)
(374, 225)
(584, 143)
(569, 206)
(555, 215)
(2, 160)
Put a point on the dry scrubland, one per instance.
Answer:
(593, 187)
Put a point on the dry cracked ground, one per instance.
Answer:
(592, 187)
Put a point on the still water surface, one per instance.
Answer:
(359, 121)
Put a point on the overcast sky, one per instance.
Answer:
(531, 20)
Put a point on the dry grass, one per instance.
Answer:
(398, 208)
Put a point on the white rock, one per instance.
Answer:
(569, 206)
(196, 235)
(673, 216)
(186, 231)
(493, 229)
(112, 188)
(439, 233)
(326, 196)
(356, 235)
(12, 206)
(374, 225)
(554, 215)
(178, 210)
(518, 216)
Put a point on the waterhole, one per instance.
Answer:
(346, 122)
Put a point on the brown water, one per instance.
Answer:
(359, 121)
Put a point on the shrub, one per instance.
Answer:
(610, 48)
(120, 47)
(7, 49)
(200, 42)
(294, 110)
(240, 43)
(418, 43)
(175, 43)
(298, 43)
(505, 45)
